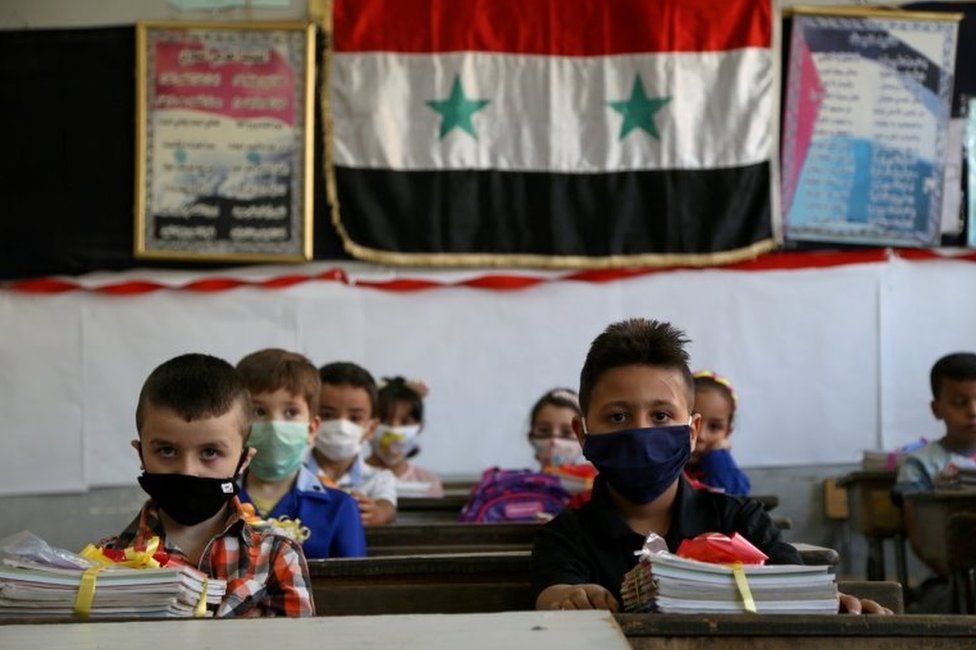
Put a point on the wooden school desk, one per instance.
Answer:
(436, 537)
(473, 582)
(874, 515)
(447, 509)
(427, 538)
(797, 632)
(931, 511)
(535, 630)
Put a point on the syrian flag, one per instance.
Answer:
(551, 132)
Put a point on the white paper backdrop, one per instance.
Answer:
(826, 361)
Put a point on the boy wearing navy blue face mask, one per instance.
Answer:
(193, 420)
(638, 428)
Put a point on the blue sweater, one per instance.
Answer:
(332, 517)
(720, 471)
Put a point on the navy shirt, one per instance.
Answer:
(594, 545)
(331, 516)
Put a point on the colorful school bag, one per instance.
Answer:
(514, 495)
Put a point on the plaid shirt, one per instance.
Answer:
(266, 573)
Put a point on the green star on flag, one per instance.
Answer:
(456, 110)
(639, 110)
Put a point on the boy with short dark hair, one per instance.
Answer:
(193, 419)
(638, 428)
(284, 388)
(347, 408)
(953, 382)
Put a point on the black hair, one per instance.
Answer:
(195, 386)
(396, 389)
(346, 373)
(636, 341)
(558, 397)
(959, 366)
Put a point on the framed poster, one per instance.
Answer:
(865, 125)
(224, 126)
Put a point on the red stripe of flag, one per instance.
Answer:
(552, 27)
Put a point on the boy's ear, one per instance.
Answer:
(313, 427)
(936, 409)
(370, 429)
(696, 423)
(578, 429)
(137, 445)
(247, 459)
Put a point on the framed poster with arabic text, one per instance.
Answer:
(865, 125)
(224, 126)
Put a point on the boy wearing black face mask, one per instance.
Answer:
(193, 419)
(638, 429)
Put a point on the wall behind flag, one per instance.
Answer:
(827, 362)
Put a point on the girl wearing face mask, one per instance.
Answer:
(401, 411)
(556, 448)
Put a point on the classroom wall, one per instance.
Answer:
(827, 362)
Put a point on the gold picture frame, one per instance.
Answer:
(224, 141)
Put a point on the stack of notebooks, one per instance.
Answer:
(889, 461)
(30, 589)
(663, 582)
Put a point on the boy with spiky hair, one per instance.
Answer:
(284, 388)
(638, 428)
(193, 420)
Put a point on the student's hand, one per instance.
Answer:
(848, 604)
(374, 511)
(588, 596)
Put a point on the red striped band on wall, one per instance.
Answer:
(780, 261)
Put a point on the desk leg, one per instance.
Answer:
(901, 561)
(876, 559)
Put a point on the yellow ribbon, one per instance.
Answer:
(86, 592)
(201, 609)
(142, 559)
(133, 558)
(740, 581)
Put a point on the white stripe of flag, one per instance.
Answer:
(551, 113)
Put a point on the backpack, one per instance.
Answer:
(515, 495)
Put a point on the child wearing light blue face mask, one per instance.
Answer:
(284, 388)
(638, 427)
(400, 405)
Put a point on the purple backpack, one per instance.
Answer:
(514, 495)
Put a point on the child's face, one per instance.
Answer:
(553, 422)
(637, 397)
(208, 447)
(401, 415)
(716, 414)
(956, 406)
(345, 402)
(283, 406)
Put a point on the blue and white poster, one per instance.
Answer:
(865, 126)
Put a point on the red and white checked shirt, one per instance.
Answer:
(266, 573)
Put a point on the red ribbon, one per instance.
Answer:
(777, 261)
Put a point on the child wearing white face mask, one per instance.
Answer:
(401, 411)
(556, 447)
(347, 407)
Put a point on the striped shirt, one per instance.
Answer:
(266, 573)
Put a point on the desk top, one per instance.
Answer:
(957, 494)
(537, 630)
(794, 625)
(864, 475)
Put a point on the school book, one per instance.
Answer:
(28, 589)
(664, 582)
